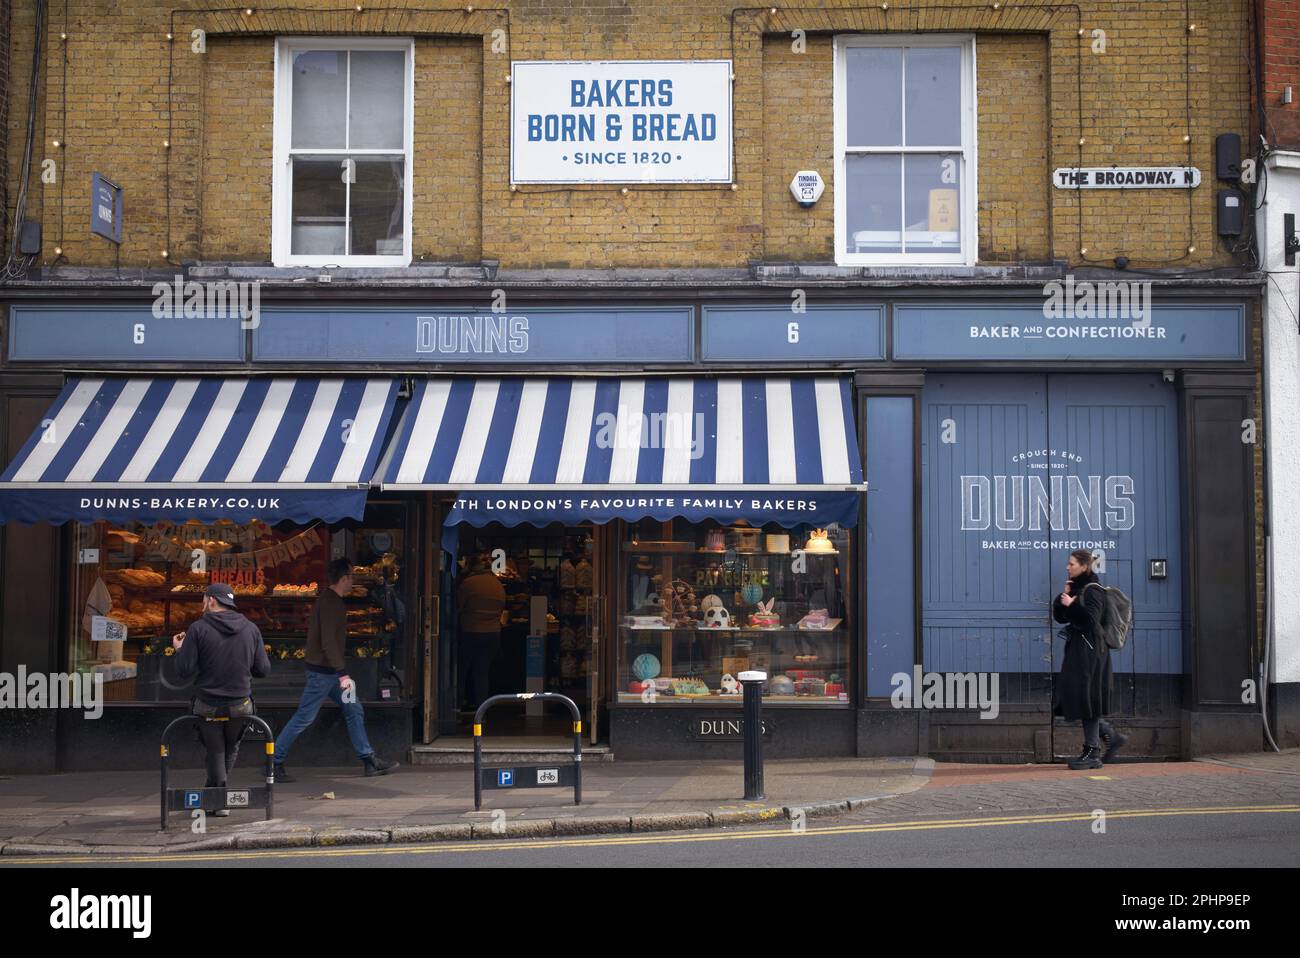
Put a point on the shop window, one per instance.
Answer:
(699, 604)
(342, 182)
(149, 580)
(905, 150)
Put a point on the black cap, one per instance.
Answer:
(222, 593)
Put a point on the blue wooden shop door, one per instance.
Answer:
(986, 587)
(1117, 438)
(1017, 470)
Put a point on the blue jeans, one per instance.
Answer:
(321, 686)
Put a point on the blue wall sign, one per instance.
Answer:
(778, 334)
(1067, 331)
(449, 335)
(505, 777)
(105, 208)
(120, 334)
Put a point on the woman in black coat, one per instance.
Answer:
(1083, 687)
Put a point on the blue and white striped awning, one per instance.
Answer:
(751, 433)
(236, 448)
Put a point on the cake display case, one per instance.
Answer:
(729, 599)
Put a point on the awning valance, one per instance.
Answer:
(207, 449)
(747, 433)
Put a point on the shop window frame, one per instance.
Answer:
(968, 148)
(852, 578)
(282, 181)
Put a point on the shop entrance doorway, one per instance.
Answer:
(543, 581)
(1018, 470)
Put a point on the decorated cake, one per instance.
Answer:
(819, 541)
(689, 687)
(764, 617)
(815, 619)
(714, 541)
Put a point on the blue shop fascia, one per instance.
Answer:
(671, 487)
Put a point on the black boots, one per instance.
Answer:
(1091, 758)
(1113, 744)
(281, 775)
(377, 766)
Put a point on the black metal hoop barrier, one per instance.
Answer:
(213, 799)
(527, 776)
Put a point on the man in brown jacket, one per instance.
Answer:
(327, 636)
(480, 602)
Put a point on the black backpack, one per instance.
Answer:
(1116, 615)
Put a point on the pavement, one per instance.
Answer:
(117, 812)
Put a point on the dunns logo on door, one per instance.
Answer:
(1046, 499)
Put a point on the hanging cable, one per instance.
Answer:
(16, 265)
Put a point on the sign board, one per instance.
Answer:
(105, 208)
(104, 629)
(1127, 178)
(715, 728)
(529, 776)
(780, 334)
(105, 334)
(620, 121)
(475, 335)
(1018, 332)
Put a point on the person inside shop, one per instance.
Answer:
(327, 639)
(1084, 686)
(481, 604)
(226, 653)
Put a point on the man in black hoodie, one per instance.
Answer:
(226, 651)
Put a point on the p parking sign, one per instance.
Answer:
(505, 777)
(193, 799)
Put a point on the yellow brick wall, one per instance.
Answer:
(238, 144)
(1041, 88)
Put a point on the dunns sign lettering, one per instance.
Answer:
(469, 335)
(1041, 501)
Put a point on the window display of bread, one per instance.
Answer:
(139, 615)
(289, 589)
(139, 578)
(385, 568)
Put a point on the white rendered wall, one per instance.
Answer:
(1282, 408)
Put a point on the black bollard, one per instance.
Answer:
(752, 683)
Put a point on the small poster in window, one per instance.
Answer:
(104, 629)
(943, 211)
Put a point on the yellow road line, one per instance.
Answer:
(648, 838)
